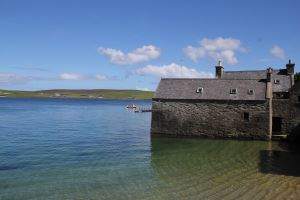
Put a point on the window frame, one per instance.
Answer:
(251, 92)
(276, 81)
(233, 91)
(199, 90)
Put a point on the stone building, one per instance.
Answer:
(235, 104)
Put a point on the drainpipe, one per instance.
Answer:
(269, 97)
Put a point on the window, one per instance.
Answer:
(276, 81)
(233, 91)
(298, 98)
(199, 90)
(246, 116)
(250, 92)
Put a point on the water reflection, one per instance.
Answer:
(280, 162)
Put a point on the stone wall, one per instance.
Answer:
(295, 113)
(295, 104)
(208, 118)
(282, 108)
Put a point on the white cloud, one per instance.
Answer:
(194, 53)
(73, 77)
(220, 44)
(138, 55)
(277, 52)
(218, 48)
(9, 79)
(79, 77)
(173, 70)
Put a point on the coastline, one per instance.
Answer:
(80, 94)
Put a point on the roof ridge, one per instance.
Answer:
(215, 79)
(250, 71)
(244, 71)
(189, 78)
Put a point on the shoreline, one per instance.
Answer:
(86, 98)
(80, 94)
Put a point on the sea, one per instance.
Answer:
(94, 149)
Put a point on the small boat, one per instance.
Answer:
(131, 106)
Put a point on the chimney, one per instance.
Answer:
(219, 69)
(290, 68)
(269, 74)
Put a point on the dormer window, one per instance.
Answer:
(276, 81)
(250, 92)
(199, 90)
(233, 91)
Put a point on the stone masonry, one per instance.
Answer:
(210, 119)
(242, 104)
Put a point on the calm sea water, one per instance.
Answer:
(97, 149)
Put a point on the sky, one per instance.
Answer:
(131, 44)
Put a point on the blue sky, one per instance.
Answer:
(130, 44)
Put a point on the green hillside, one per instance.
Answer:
(96, 93)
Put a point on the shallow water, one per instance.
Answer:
(97, 149)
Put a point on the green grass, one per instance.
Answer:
(96, 93)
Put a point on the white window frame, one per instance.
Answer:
(233, 91)
(199, 90)
(251, 92)
(276, 81)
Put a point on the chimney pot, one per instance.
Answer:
(269, 74)
(219, 69)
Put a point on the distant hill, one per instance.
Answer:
(94, 93)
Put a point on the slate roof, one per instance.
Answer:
(284, 83)
(260, 74)
(213, 89)
(219, 89)
(278, 74)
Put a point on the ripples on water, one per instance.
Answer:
(96, 149)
